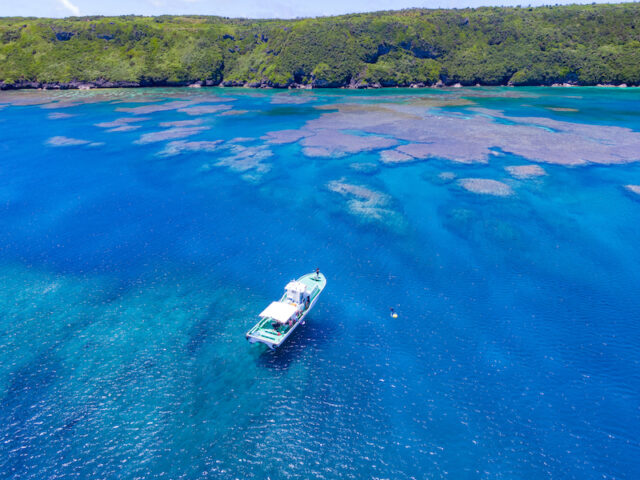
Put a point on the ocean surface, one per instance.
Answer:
(143, 230)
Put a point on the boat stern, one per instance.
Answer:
(269, 338)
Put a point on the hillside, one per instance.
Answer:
(492, 46)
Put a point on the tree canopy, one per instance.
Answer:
(587, 44)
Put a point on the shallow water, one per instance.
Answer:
(133, 260)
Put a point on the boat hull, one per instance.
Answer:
(266, 337)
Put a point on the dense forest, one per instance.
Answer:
(584, 45)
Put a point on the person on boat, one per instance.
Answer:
(317, 274)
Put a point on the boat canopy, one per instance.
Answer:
(281, 312)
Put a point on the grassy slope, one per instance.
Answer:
(585, 44)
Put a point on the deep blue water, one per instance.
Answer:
(129, 277)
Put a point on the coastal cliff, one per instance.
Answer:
(578, 45)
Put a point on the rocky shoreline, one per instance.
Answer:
(95, 84)
(87, 85)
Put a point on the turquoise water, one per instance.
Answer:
(134, 259)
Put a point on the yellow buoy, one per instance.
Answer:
(395, 315)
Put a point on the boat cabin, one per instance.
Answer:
(296, 292)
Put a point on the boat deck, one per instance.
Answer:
(265, 332)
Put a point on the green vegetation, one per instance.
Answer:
(524, 46)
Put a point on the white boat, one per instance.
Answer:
(281, 318)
